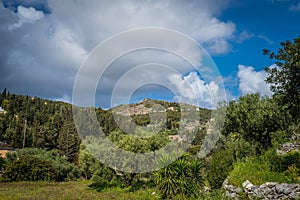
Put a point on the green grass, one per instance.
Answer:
(80, 190)
(68, 191)
(257, 171)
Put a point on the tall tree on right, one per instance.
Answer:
(285, 77)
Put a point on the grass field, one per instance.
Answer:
(67, 190)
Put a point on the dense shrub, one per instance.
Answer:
(281, 163)
(219, 167)
(266, 168)
(64, 170)
(29, 168)
(103, 178)
(3, 163)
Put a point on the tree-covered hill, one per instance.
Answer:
(33, 122)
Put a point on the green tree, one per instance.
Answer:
(254, 117)
(87, 164)
(285, 78)
(68, 142)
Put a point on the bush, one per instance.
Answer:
(281, 163)
(266, 168)
(239, 147)
(219, 167)
(64, 171)
(29, 168)
(103, 178)
(3, 163)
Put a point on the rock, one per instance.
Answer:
(247, 185)
(267, 191)
(255, 189)
(289, 188)
(238, 190)
(281, 187)
(295, 195)
(206, 189)
(231, 191)
(271, 184)
(264, 191)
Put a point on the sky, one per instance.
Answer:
(45, 43)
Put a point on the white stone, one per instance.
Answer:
(247, 185)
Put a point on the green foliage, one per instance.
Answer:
(63, 170)
(68, 142)
(284, 78)
(182, 178)
(29, 168)
(259, 170)
(104, 177)
(70, 190)
(216, 194)
(141, 120)
(239, 147)
(219, 167)
(3, 163)
(281, 163)
(87, 164)
(254, 118)
(43, 123)
(233, 148)
(138, 145)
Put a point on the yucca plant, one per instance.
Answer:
(181, 178)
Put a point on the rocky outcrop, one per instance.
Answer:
(267, 191)
(288, 147)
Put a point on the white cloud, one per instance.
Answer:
(244, 35)
(265, 38)
(252, 81)
(193, 90)
(218, 46)
(29, 15)
(65, 98)
(295, 7)
(26, 15)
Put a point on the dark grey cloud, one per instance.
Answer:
(43, 43)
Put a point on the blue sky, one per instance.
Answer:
(268, 23)
(43, 44)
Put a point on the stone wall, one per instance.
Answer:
(267, 191)
(232, 191)
(288, 147)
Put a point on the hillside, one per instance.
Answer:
(27, 121)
